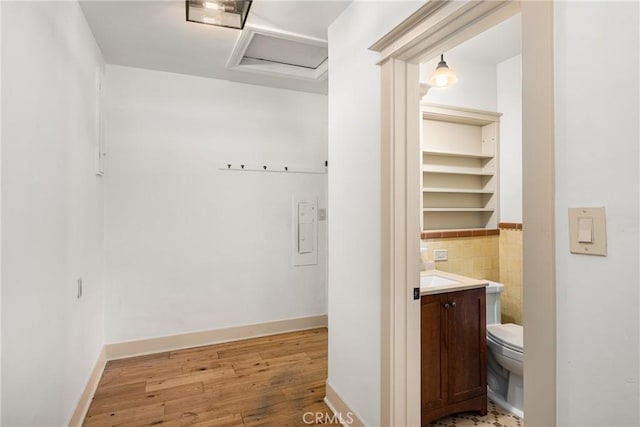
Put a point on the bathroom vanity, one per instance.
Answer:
(453, 345)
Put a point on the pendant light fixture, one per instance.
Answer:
(443, 76)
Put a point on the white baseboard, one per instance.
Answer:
(176, 342)
(340, 408)
(85, 398)
(195, 339)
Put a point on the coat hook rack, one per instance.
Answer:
(265, 168)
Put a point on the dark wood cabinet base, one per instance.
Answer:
(453, 353)
(476, 404)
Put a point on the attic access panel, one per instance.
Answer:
(284, 51)
(279, 53)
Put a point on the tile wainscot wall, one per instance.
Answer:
(494, 256)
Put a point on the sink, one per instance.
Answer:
(436, 280)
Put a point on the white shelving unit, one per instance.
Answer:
(459, 168)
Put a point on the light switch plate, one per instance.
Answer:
(596, 218)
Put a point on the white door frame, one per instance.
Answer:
(436, 27)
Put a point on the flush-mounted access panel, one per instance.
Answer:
(305, 230)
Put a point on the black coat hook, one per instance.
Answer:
(242, 166)
(228, 166)
(264, 167)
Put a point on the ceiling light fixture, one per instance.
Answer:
(214, 6)
(443, 76)
(222, 13)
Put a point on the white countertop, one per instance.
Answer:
(438, 282)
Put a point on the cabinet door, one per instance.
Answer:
(432, 354)
(467, 348)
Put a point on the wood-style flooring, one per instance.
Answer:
(267, 381)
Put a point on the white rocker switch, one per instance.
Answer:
(585, 229)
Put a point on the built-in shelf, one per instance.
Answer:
(452, 154)
(458, 210)
(455, 190)
(459, 168)
(452, 170)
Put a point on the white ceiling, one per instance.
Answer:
(491, 47)
(495, 45)
(155, 35)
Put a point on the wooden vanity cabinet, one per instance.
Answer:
(453, 353)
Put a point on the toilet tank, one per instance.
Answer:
(494, 290)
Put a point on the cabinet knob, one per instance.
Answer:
(446, 305)
(453, 304)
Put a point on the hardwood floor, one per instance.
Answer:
(270, 381)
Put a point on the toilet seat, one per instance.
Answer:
(508, 335)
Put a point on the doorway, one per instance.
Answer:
(471, 187)
(435, 28)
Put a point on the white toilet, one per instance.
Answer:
(504, 356)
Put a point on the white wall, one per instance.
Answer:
(597, 164)
(354, 203)
(192, 248)
(52, 211)
(509, 101)
(476, 86)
